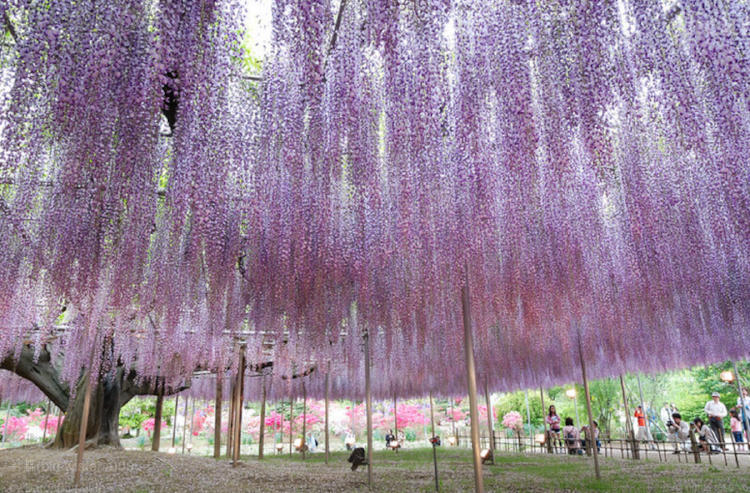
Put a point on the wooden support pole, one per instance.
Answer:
(472, 383)
(590, 436)
(84, 420)
(547, 434)
(46, 419)
(185, 423)
(490, 430)
(395, 418)
(174, 420)
(368, 399)
(261, 436)
(84, 425)
(528, 420)
(326, 417)
(453, 423)
(59, 424)
(628, 424)
(158, 418)
(217, 417)
(304, 419)
(643, 406)
(241, 405)
(434, 445)
(230, 418)
(5, 423)
(291, 424)
(238, 409)
(235, 413)
(192, 423)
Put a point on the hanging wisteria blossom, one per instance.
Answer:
(581, 166)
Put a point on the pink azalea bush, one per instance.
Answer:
(15, 428)
(148, 425)
(513, 420)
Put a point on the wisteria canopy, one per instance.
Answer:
(582, 166)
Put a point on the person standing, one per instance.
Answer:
(553, 420)
(666, 415)
(743, 407)
(736, 426)
(642, 433)
(716, 412)
(389, 438)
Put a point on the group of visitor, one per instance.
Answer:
(394, 442)
(710, 431)
(574, 440)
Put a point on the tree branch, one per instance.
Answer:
(334, 36)
(10, 27)
(42, 374)
(132, 387)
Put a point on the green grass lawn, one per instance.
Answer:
(513, 472)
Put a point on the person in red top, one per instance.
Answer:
(642, 433)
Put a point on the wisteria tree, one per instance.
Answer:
(580, 166)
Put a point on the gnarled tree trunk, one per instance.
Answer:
(104, 415)
(112, 390)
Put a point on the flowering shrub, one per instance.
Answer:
(513, 420)
(148, 425)
(15, 428)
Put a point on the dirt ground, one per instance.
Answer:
(33, 469)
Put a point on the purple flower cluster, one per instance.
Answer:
(582, 166)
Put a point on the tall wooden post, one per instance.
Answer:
(453, 423)
(46, 419)
(238, 409)
(304, 419)
(192, 424)
(490, 428)
(628, 424)
(590, 437)
(235, 412)
(158, 419)
(291, 424)
(434, 445)
(174, 419)
(59, 423)
(395, 418)
(472, 383)
(643, 406)
(185, 423)
(217, 417)
(261, 436)
(230, 419)
(84, 425)
(547, 434)
(5, 426)
(528, 420)
(368, 399)
(326, 418)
